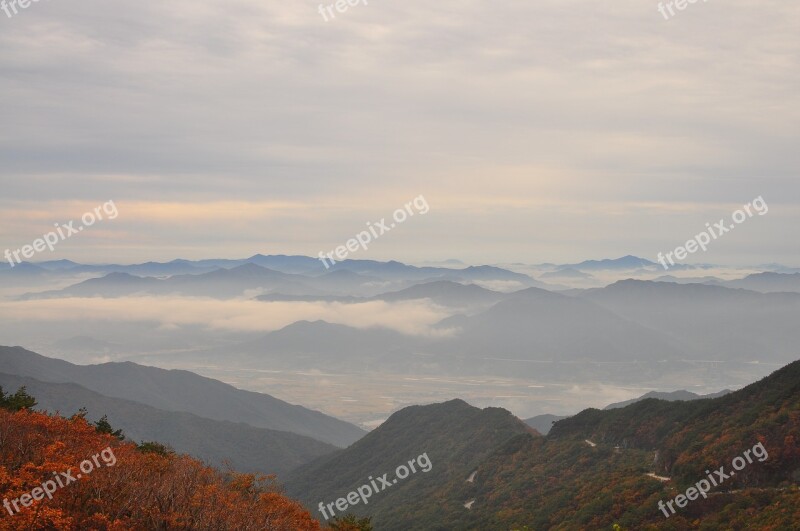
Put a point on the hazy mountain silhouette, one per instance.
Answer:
(182, 391)
(543, 423)
(567, 273)
(690, 280)
(348, 278)
(535, 324)
(245, 447)
(670, 396)
(768, 282)
(324, 345)
(624, 263)
(445, 293)
(709, 322)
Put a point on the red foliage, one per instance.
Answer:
(140, 491)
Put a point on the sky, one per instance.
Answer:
(536, 131)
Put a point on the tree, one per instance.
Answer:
(149, 447)
(18, 401)
(103, 426)
(350, 522)
(140, 491)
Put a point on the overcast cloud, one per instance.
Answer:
(550, 130)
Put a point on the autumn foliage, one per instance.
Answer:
(143, 490)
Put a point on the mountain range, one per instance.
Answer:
(544, 423)
(181, 391)
(487, 468)
(364, 278)
(219, 442)
(638, 323)
(594, 470)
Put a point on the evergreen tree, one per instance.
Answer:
(103, 426)
(155, 448)
(19, 400)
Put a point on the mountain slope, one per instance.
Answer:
(111, 285)
(182, 391)
(455, 436)
(767, 408)
(768, 282)
(544, 423)
(394, 270)
(127, 487)
(319, 344)
(626, 262)
(593, 470)
(246, 448)
(710, 322)
(673, 396)
(219, 283)
(445, 293)
(535, 324)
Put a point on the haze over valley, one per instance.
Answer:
(285, 326)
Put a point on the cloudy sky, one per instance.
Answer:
(555, 130)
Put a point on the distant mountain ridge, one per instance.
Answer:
(625, 262)
(768, 282)
(182, 391)
(446, 293)
(544, 423)
(513, 334)
(244, 447)
(738, 325)
(554, 326)
(350, 277)
(567, 273)
(673, 396)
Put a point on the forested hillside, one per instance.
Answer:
(594, 470)
(142, 488)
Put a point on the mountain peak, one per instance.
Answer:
(622, 263)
